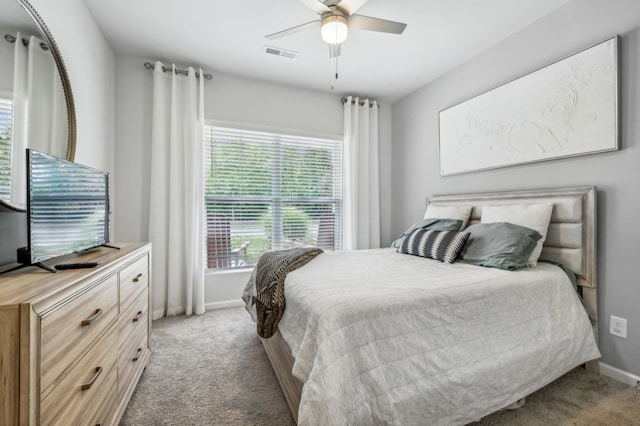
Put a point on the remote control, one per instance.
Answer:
(62, 266)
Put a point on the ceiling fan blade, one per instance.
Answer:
(350, 6)
(316, 6)
(294, 30)
(360, 22)
(334, 50)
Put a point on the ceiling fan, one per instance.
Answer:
(337, 18)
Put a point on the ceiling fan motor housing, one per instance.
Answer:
(335, 27)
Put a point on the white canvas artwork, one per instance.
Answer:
(565, 109)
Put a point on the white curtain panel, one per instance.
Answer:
(39, 110)
(176, 206)
(361, 218)
(47, 108)
(19, 123)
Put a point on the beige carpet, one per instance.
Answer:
(211, 370)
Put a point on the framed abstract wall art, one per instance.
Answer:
(564, 109)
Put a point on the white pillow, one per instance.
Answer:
(534, 216)
(449, 212)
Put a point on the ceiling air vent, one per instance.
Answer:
(276, 51)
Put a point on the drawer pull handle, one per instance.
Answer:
(137, 318)
(137, 278)
(92, 318)
(92, 381)
(137, 357)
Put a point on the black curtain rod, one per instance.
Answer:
(150, 66)
(353, 102)
(12, 39)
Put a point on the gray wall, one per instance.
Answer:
(568, 29)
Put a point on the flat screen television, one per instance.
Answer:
(67, 208)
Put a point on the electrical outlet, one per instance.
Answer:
(618, 326)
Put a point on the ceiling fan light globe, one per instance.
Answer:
(334, 29)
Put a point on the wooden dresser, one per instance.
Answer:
(73, 344)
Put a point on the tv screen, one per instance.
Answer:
(67, 207)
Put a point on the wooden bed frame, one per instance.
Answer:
(571, 240)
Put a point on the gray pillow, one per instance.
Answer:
(431, 225)
(500, 245)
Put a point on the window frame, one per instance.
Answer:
(286, 132)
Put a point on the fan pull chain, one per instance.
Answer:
(334, 71)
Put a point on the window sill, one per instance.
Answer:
(248, 269)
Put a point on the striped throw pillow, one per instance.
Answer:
(439, 245)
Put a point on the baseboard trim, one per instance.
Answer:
(619, 375)
(223, 305)
(159, 313)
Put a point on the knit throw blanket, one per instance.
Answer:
(267, 279)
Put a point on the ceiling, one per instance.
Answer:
(229, 36)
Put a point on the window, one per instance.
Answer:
(267, 191)
(6, 110)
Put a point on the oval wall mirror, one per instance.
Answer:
(36, 103)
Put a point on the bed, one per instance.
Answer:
(379, 337)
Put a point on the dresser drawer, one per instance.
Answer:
(133, 355)
(136, 317)
(68, 330)
(104, 406)
(133, 279)
(81, 392)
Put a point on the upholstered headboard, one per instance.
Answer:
(571, 238)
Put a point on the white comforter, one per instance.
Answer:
(385, 338)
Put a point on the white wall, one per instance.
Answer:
(570, 28)
(90, 64)
(228, 99)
